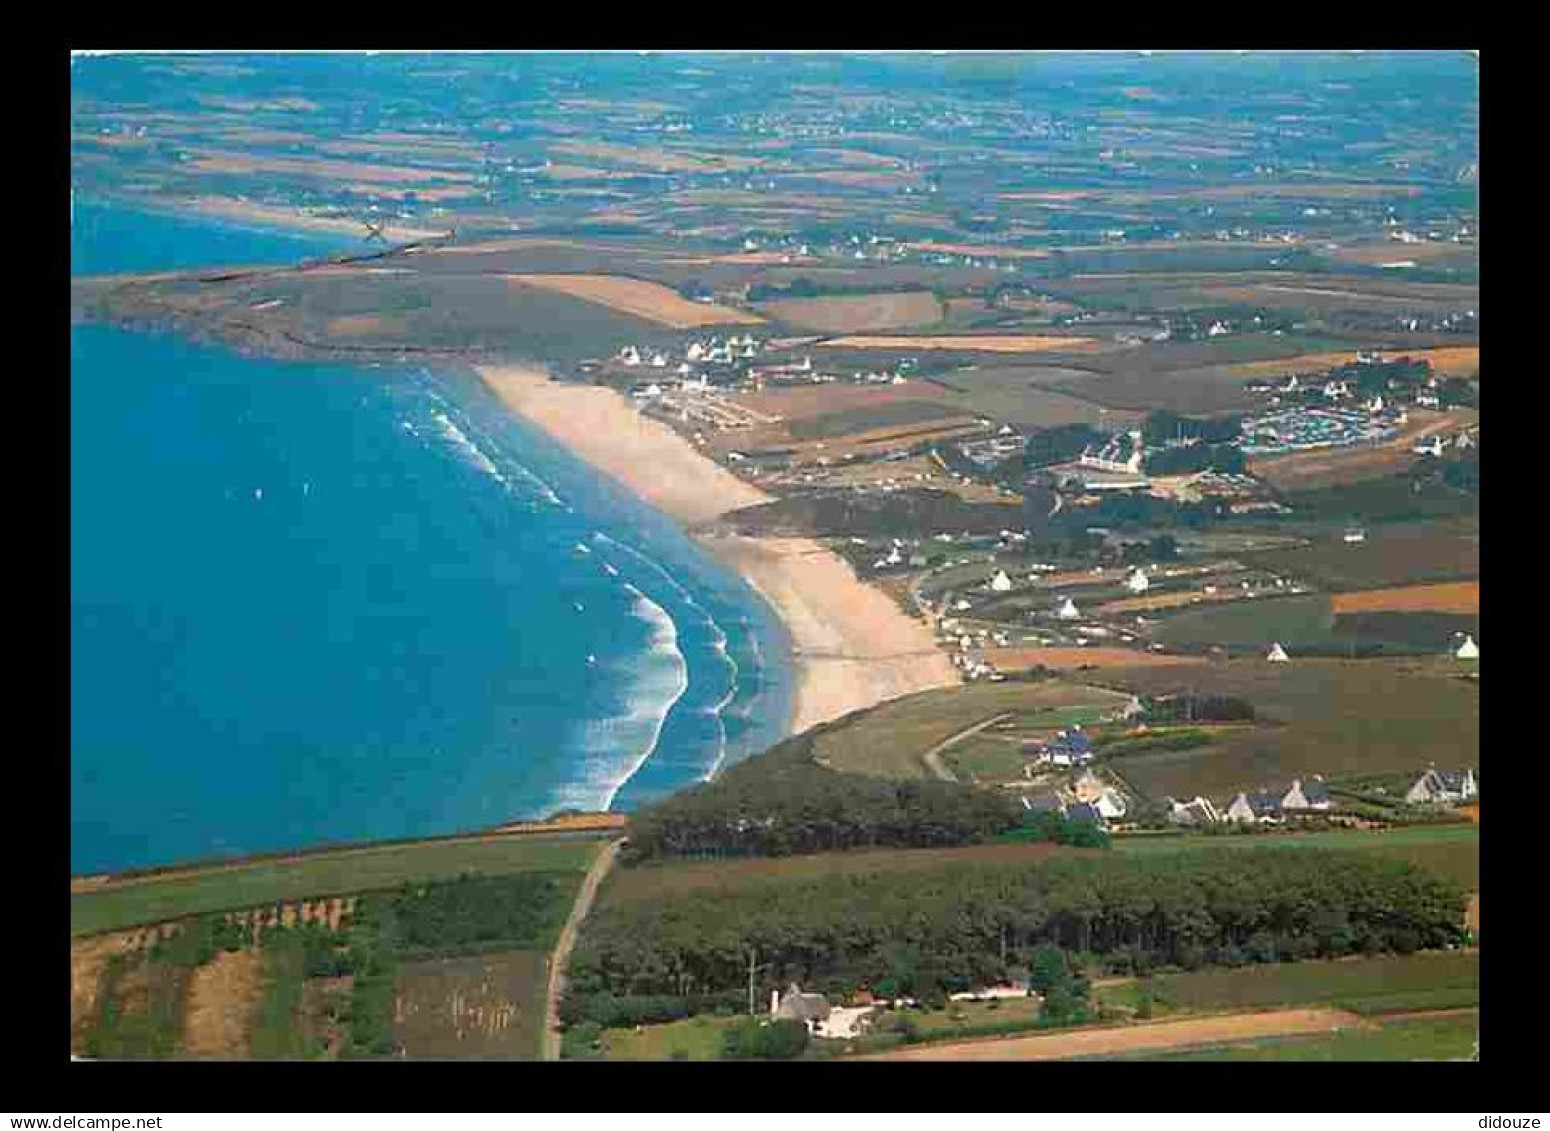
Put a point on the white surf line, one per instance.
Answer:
(666, 634)
(719, 645)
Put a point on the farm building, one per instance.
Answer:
(1248, 808)
(1443, 787)
(1310, 794)
(1120, 453)
(1084, 814)
(1197, 811)
(794, 1005)
(1068, 748)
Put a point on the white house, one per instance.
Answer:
(794, 1005)
(1137, 581)
(1198, 811)
(1310, 794)
(1277, 654)
(1468, 650)
(1068, 610)
(1443, 787)
(1250, 808)
(1001, 582)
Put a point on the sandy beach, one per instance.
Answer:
(855, 647)
(290, 218)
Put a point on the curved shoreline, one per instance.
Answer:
(854, 647)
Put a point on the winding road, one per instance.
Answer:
(931, 757)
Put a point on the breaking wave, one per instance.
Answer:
(718, 644)
(478, 450)
(612, 750)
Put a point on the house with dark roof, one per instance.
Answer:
(1261, 806)
(1443, 787)
(1068, 748)
(1195, 812)
(1307, 794)
(1084, 814)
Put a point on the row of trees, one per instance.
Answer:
(783, 803)
(969, 923)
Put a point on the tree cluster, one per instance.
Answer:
(969, 923)
(1201, 456)
(782, 803)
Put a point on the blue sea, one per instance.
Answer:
(320, 602)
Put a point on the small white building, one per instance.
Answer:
(1277, 654)
(1468, 650)
(1001, 583)
(1443, 787)
(1137, 582)
(1068, 610)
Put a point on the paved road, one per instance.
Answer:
(567, 940)
(934, 762)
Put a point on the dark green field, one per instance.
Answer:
(1451, 851)
(1318, 716)
(1387, 558)
(153, 899)
(1450, 1037)
(1388, 984)
(1252, 624)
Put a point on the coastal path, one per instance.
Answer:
(567, 940)
(1148, 1037)
(932, 757)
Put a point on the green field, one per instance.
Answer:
(654, 882)
(888, 741)
(1404, 556)
(153, 899)
(696, 1038)
(1252, 625)
(1370, 986)
(1318, 716)
(1452, 1037)
(1451, 851)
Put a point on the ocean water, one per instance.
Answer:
(319, 602)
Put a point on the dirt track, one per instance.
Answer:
(1139, 1038)
(562, 948)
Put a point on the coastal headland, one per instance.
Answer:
(854, 647)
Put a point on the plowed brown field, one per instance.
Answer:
(651, 301)
(1449, 597)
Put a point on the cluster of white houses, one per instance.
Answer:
(1307, 796)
